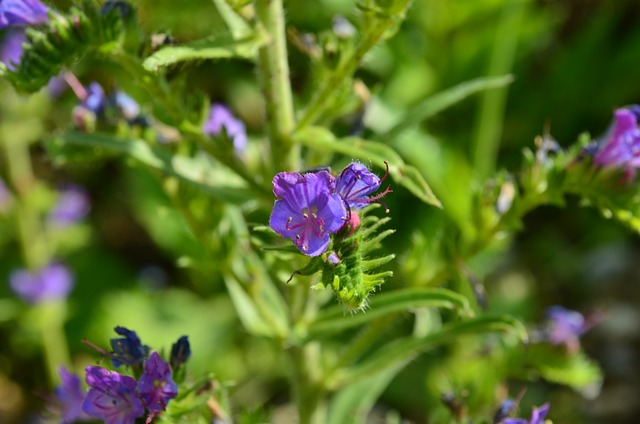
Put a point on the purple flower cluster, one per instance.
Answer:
(312, 206)
(537, 416)
(620, 148)
(119, 399)
(51, 282)
(220, 120)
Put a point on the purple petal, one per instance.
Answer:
(112, 397)
(156, 387)
(221, 119)
(72, 205)
(70, 396)
(538, 414)
(51, 282)
(11, 49)
(22, 13)
(621, 147)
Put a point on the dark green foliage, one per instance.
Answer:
(61, 42)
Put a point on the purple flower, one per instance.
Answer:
(180, 352)
(22, 12)
(72, 205)
(221, 118)
(565, 327)
(128, 350)
(11, 49)
(621, 146)
(156, 387)
(96, 99)
(69, 397)
(111, 397)
(537, 416)
(307, 210)
(51, 282)
(356, 182)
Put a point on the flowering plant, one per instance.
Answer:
(306, 232)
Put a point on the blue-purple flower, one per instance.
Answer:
(22, 13)
(621, 147)
(69, 397)
(565, 327)
(72, 206)
(180, 352)
(356, 182)
(537, 416)
(221, 119)
(127, 106)
(51, 282)
(128, 350)
(307, 210)
(11, 48)
(111, 397)
(156, 386)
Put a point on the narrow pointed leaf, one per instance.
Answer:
(195, 171)
(220, 47)
(441, 101)
(399, 353)
(333, 320)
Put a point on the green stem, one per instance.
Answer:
(273, 68)
(51, 325)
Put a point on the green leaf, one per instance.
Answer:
(441, 101)
(234, 22)
(219, 47)
(333, 320)
(402, 173)
(352, 404)
(557, 365)
(247, 309)
(196, 171)
(399, 353)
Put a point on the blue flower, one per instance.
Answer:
(22, 13)
(180, 352)
(128, 350)
(51, 282)
(221, 119)
(111, 397)
(356, 182)
(156, 387)
(537, 416)
(307, 210)
(621, 147)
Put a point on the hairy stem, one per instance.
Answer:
(273, 68)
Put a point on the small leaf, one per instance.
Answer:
(402, 173)
(333, 320)
(440, 101)
(400, 352)
(196, 171)
(219, 47)
(247, 310)
(353, 403)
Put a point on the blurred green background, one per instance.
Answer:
(574, 61)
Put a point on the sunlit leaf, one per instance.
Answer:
(219, 47)
(398, 353)
(196, 171)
